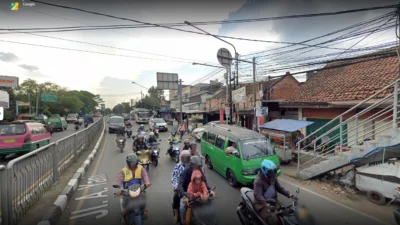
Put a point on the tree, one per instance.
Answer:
(156, 93)
(107, 111)
(123, 107)
(148, 102)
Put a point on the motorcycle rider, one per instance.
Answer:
(266, 186)
(139, 144)
(151, 139)
(171, 139)
(186, 145)
(183, 163)
(193, 149)
(129, 175)
(141, 129)
(185, 178)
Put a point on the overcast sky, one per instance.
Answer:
(111, 75)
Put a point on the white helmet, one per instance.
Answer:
(151, 134)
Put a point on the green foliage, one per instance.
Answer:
(152, 100)
(124, 107)
(67, 101)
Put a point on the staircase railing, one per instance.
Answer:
(357, 124)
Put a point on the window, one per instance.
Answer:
(220, 142)
(204, 136)
(12, 129)
(256, 148)
(211, 138)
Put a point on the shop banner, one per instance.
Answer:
(239, 95)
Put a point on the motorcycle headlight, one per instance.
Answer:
(250, 172)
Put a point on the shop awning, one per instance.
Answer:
(286, 125)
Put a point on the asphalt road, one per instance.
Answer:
(57, 135)
(94, 201)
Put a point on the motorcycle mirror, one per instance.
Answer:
(116, 186)
(298, 190)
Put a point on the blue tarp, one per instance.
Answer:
(286, 125)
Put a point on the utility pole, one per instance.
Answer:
(180, 100)
(255, 92)
(30, 106)
(230, 96)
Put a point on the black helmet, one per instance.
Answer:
(132, 159)
(196, 161)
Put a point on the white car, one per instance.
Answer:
(196, 133)
(159, 123)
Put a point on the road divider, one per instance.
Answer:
(25, 179)
(53, 215)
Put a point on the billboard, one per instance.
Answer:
(174, 104)
(7, 81)
(239, 95)
(167, 81)
(4, 99)
(185, 94)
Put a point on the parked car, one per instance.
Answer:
(41, 119)
(243, 165)
(71, 119)
(22, 137)
(196, 133)
(115, 123)
(57, 122)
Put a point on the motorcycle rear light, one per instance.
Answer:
(28, 138)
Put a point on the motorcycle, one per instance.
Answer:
(201, 213)
(248, 215)
(155, 154)
(144, 160)
(175, 151)
(86, 125)
(135, 203)
(121, 142)
(76, 126)
(396, 213)
(129, 131)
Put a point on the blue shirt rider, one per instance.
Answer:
(151, 139)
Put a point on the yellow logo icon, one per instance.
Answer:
(14, 6)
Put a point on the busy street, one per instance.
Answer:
(94, 200)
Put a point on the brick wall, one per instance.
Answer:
(284, 88)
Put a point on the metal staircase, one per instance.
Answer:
(370, 124)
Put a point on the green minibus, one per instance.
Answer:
(243, 166)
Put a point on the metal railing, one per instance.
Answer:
(352, 127)
(28, 177)
(3, 193)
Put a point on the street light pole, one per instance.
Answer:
(255, 92)
(203, 64)
(228, 70)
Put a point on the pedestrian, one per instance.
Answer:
(181, 130)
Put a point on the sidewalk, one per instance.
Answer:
(335, 192)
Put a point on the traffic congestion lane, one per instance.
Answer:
(57, 135)
(95, 202)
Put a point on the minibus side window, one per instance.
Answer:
(211, 138)
(220, 142)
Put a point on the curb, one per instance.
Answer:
(53, 215)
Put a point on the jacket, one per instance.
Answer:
(151, 140)
(140, 146)
(194, 189)
(261, 184)
(176, 173)
(185, 179)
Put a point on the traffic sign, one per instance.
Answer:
(45, 97)
(224, 57)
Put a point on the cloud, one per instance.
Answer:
(29, 67)
(8, 57)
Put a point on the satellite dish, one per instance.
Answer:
(224, 57)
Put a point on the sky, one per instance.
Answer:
(170, 51)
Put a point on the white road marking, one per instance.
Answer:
(102, 212)
(88, 209)
(94, 195)
(81, 187)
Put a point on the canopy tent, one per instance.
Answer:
(286, 125)
(380, 154)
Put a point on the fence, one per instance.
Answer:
(27, 178)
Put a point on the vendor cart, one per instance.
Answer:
(282, 134)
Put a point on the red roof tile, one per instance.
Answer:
(357, 79)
